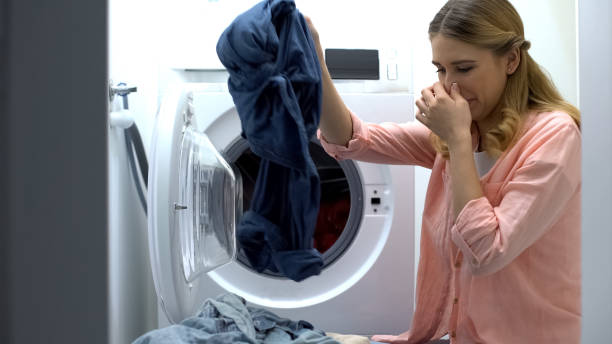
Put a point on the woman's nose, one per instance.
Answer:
(447, 82)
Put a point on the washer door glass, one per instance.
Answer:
(206, 208)
(193, 198)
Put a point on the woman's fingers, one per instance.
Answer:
(390, 339)
(423, 107)
(421, 118)
(438, 89)
(421, 114)
(428, 95)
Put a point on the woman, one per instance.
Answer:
(500, 241)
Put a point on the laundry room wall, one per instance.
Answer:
(133, 58)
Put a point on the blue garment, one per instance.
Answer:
(275, 82)
(227, 319)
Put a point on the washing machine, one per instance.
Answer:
(201, 177)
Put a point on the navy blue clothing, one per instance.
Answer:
(275, 82)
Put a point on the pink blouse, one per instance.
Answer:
(507, 271)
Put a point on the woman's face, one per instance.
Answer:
(480, 74)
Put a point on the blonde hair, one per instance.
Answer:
(497, 26)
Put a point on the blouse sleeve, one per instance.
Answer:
(532, 202)
(386, 143)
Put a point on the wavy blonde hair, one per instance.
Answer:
(497, 26)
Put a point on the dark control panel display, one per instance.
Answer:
(360, 64)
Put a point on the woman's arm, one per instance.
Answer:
(531, 202)
(335, 123)
(448, 115)
(345, 136)
(463, 169)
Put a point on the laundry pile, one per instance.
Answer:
(228, 319)
(275, 83)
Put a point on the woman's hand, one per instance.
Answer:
(447, 115)
(399, 339)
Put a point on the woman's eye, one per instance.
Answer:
(464, 70)
(440, 70)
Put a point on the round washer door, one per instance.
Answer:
(193, 197)
(373, 221)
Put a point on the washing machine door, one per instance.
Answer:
(193, 197)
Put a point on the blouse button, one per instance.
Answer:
(455, 300)
(458, 264)
(453, 334)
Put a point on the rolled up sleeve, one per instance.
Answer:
(385, 143)
(532, 202)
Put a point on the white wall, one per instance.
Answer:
(192, 27)
(190, 30)
(133, 58)
(135, 53)
(551, 27)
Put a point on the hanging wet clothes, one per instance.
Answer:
(275, 82)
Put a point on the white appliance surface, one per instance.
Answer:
(370, 288)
